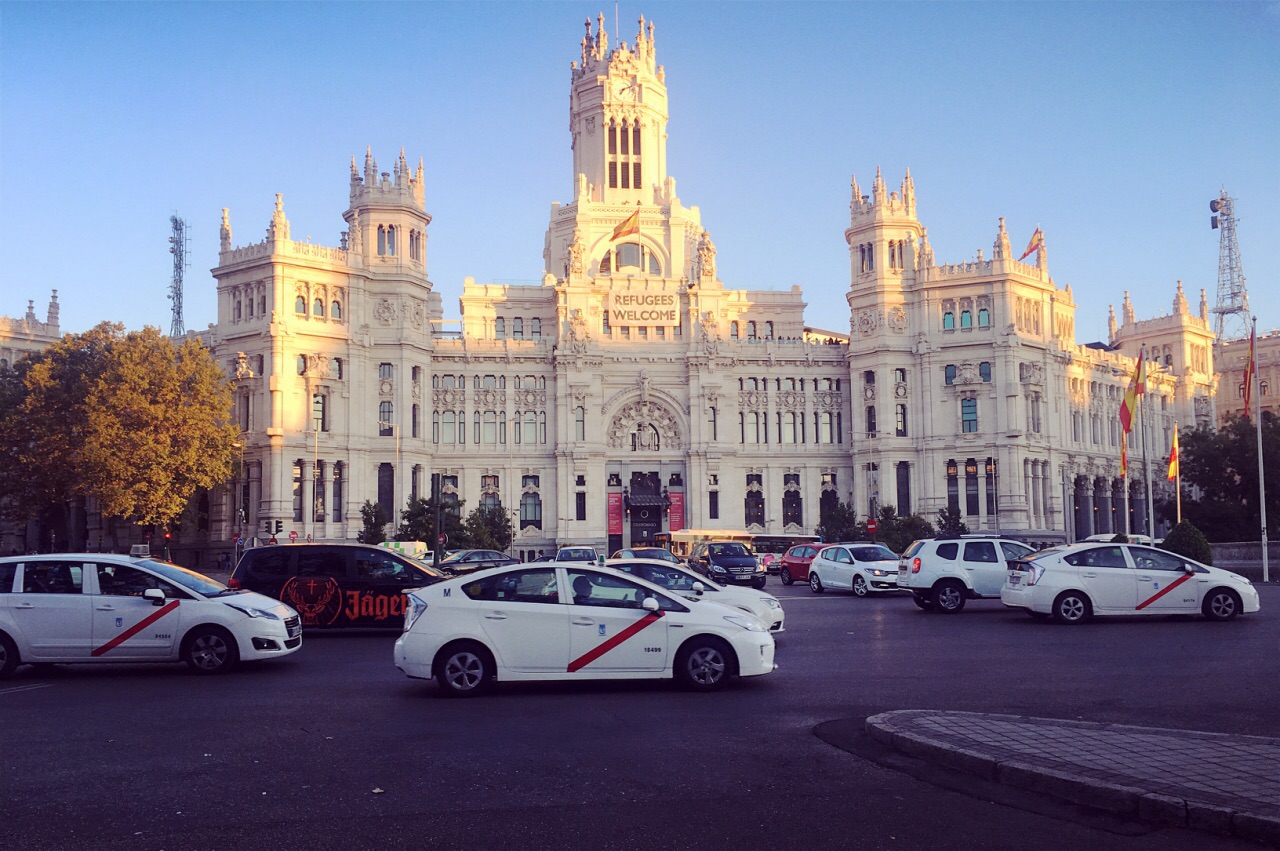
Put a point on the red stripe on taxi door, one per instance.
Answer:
(595, 653)
(135, 629)
(1165, 590)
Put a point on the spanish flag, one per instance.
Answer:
(1037, 240)
(1173, 456)
(628, 226)
(1249, 369)
(1137, 387)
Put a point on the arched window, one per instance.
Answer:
(733, 330)
(984, 317)
(382, 241)
(300, 305)
(517, 327)
(385, 427)
(248, 304)
(966, 319)
(751, 329)
(391, 240)
(500, 327)
(768, 330)
(530, 511)
(535, 327)
(262, 305)
(237, 313)
(317, 308)
(335, 310)
(948, 321)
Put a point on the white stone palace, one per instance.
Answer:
(632, 392)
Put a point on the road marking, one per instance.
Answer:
(135, 629)
(601, 649)
(1165, 590)
(16, 689)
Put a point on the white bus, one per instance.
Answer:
(763, 545)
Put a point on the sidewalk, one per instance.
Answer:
(1215, 782)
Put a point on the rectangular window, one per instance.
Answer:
(971, 487)
(626, 177)
(337, 493)
(903, 470)
(900, 421)
(580, 504)
(580, 423)
(613, 138)
(635, 168)
(384, 370)
(969, 415)
(713, 505)
(297, 493)
(613, 175)
(635, 139)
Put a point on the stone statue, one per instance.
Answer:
(706, 257)
(224, 232)
(576, 250)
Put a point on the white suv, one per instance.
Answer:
(942, 573)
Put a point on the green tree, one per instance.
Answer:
(840, 523)
(418, 523)
(133, 420)
(1220, 479)
(897, 532)
(374, 517)
(489, 527)
(950, 522)
(1185, 539)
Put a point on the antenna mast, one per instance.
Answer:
(178, 248)
(1231, 314)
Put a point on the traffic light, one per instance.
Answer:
(266, 526)
(279, 527)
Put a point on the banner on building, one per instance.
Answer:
(640, 309)
(677, 511)
(615, 514)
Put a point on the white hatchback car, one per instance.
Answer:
(1072, 583)
(673, 577)
(94, 607)
(942, 573)
(860, 568)
(573, 622)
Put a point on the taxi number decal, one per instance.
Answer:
(135, 629)
(1163, 591)
(604, 647)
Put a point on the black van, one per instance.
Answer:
(335, 585)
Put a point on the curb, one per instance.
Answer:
(1149, 807)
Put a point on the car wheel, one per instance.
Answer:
(1072, 607)
(948, 597)
(464, 670)
(785, 575)
(704, 664)
(758, 584)
(210, 650)
(8, 656)
(922, 601)
(1221, 604)
(815, 584)
(860, 586)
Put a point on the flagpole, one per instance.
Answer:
(1146, 465)
(1177, 471)
(1262, 483)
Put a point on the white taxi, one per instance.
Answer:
(94, 607)
(673, 577)
(573, 622)
(1075, 582)
(861, 568)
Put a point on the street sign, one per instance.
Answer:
(293, 536)
(871, 526)
(444, 539)
(235, 539)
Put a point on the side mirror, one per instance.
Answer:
(699, 588)
(1189, 568)
(649, 604)
(155, 595)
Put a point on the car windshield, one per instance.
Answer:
(662, 555)
(463, 555)
(729, 550)
(576, 554)
(197, 582)
(671, 578)
(873, 554)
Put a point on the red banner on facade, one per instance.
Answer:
(615, 514)
(677, 511)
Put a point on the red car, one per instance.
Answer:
(794, 565)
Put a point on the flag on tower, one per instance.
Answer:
(1037, 241)
(1173, 456)
(1137, 386)
(628, 226)
(1249, 369)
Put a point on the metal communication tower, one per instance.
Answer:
(178, 248)
(1231, 314)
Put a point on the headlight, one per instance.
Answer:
(771, 602)
(879, 573)
(412, 611)
(255, 613)
(715, 568)
(749, 624)
(759, 568)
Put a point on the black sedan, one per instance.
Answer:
(465, 561)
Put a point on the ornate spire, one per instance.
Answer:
(1001, 250)
(1204, 306)
(878, 189)
(925, 258)
(909, 193)
(224, 233)
(1126, 310)
(370, 167)
(1111, 323)
(1180, 306)
(279, 227)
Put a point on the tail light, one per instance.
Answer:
(915, 564)
(1033, 573)
(234, 584)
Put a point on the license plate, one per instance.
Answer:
(1014, 579)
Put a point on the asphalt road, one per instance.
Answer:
(334, 748)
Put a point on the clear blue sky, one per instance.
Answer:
(1112, 125)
